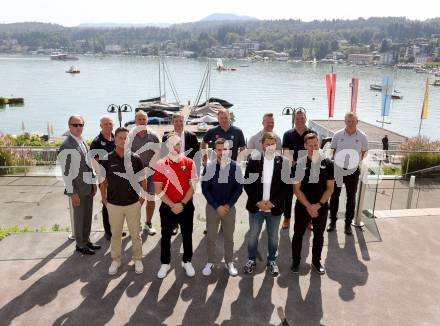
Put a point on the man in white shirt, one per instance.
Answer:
(265, 200)
(349, 147)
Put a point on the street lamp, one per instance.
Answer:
(113, 108)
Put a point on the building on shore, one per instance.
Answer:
(361, 59)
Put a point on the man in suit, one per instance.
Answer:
(266, 190)
(190, 145)
(79, 182)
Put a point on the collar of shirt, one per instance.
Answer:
(350, 135)
(101, 136)
(80, 142)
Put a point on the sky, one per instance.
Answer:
(74, 12)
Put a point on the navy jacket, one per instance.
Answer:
(222, 186)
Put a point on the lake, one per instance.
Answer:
(51, 95)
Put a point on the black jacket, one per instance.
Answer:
(278, 189)
(191, 143)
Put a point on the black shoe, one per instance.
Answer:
(331, 227)
(348, 230)
(93, 246)
(319, 268)
(85, 250)
(294, 268)
(175, 230)
(107, 236)
(249, 267)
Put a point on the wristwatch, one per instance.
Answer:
(321, 204)
(183, 204)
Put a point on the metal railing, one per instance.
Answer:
(403, 180)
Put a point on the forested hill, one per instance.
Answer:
(280, 35)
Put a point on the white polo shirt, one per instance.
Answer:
(357, 141)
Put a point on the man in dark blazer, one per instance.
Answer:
(79, 183)
(190, 143)
(266, 189)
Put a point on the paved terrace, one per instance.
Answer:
(385, 275)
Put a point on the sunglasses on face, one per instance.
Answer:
(76, 125)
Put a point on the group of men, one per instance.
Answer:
(132, 167)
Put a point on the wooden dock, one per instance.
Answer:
(163, 129)
(327, 128)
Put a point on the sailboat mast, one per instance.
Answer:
(160, 82)
(164, 81)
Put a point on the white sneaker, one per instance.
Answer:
(231, 269)
(150, 229)
(189, 269)
(163, 271)
(208, 269)
(138, 267)
(113, 269)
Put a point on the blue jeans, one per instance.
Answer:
(272, 226)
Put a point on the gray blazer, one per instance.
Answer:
(77, 175)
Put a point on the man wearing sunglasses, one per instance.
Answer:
(77, 175)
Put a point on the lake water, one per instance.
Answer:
(51, 95)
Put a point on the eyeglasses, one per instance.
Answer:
(76, 125)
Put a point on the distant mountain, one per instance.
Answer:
(122, 25)
(224, 17)
(29, 27)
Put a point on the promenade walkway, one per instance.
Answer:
(385, 275)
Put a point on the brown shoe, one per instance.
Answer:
(286, 223)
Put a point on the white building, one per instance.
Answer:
(361, 59)
(113, 48)
(387, 58)
(421, 60)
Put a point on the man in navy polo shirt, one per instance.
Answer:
(225, 130)
(293, 142)
(106, 141)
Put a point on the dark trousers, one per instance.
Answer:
(168, 221)
(82, 216)
(351, 185)
(302, 219)
(288, 202)
(105, 221)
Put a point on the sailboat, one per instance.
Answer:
(222, 67)
(159, 110)
(206, 112)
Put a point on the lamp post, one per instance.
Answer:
(119, 109)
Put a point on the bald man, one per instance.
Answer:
(146, 145)
(105, 141)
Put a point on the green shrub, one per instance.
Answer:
(416, 161)
(392, 170)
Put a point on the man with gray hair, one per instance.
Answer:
(351, 143)
(146, 145)
(80, 187)
(105, 141)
